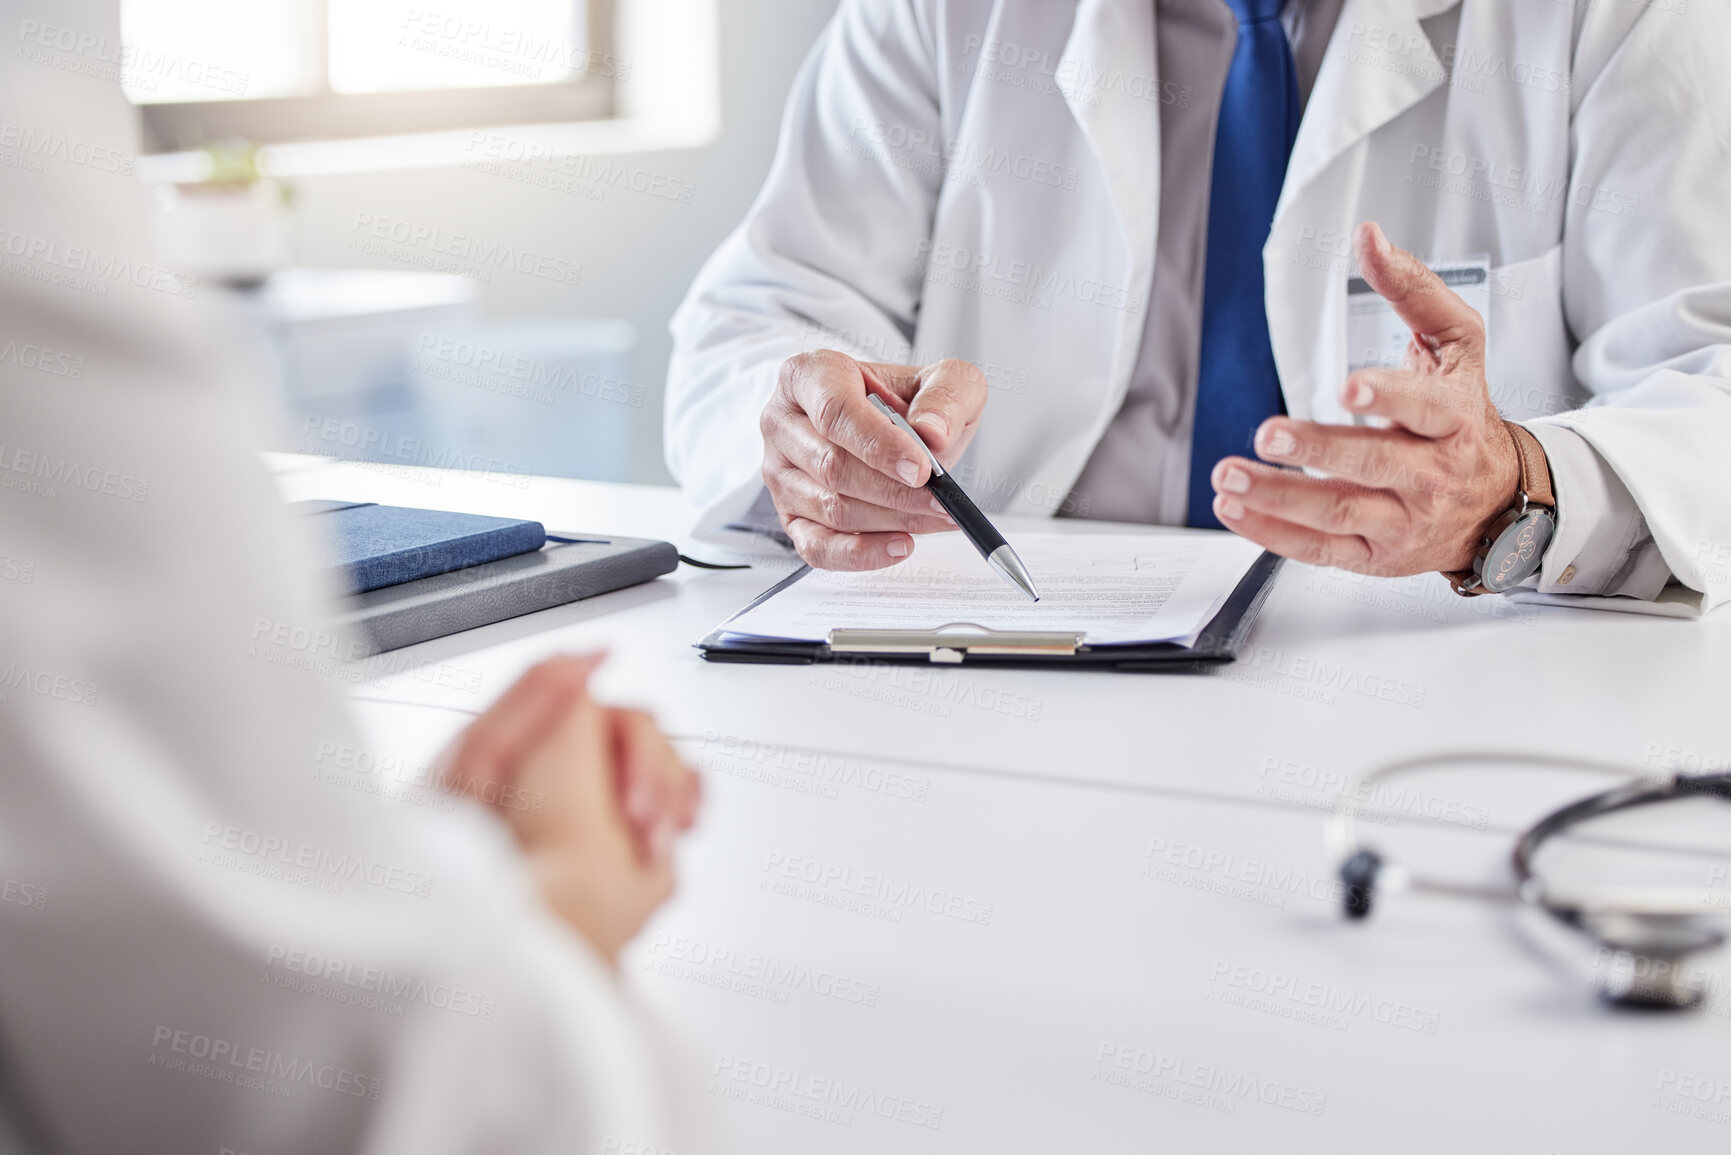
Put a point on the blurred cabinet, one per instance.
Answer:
(396, 367)
(555, 397)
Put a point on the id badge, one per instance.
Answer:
(1376, 338)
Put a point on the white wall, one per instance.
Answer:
(639, 252)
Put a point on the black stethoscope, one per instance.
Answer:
(1649, 932)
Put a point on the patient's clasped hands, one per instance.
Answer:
(596, 796)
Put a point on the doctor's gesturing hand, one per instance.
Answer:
(1411, 497)
(847, 489)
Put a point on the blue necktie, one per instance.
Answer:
(1237, 387)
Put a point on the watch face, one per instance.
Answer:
(1518, 551)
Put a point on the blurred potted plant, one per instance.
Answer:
(232, 223)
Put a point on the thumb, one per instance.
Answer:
(1418, 296)
(951, 397)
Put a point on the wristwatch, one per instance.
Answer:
(1513, 548)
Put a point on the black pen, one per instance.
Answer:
(973, 524)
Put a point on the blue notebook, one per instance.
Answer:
(376, 546)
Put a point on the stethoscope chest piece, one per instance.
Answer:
(1648, 968)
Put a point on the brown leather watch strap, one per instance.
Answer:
(1535, 467)
(1535, 482)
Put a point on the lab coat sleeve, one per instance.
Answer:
(828, 256)
(1646, 271)
(1602, 546)
(217, 931)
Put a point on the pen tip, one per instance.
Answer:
(1010, 568)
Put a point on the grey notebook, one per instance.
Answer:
(567, 569)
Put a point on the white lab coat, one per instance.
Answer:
(1585, 148)
(213, 937)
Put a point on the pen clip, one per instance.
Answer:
(902, 423)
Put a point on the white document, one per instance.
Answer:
(1112, 587)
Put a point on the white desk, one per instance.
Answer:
(1149, 848)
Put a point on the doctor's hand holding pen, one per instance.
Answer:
(594, 795)
(846, 486)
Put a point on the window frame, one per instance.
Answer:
(330, 116)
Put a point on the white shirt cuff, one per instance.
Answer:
(1602, 545)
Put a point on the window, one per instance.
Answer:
(272, 71)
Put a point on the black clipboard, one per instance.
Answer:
(1217, 644)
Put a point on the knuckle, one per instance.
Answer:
(956, 369)
(827, 414)
(1278, 494)
(1380, 468)
(792, 370)
(876, 447)
(810, 363)
(831, 508)
(1473, 327)
(907, 499)
(827, 469)
(853, 551)
(1457, 458)
(787, 510)
(814, 544)
(1308, 451)
(808, 547)
(1342, 512)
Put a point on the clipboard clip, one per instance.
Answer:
(951, 644)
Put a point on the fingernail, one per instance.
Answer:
(1235, 480)
(933, 422)
(1280, 443)
(1359, 395)
(1227, 509)
(908, 471)
(898, 548)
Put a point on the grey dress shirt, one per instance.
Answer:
(1140, 470)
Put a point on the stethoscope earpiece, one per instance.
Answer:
(1358, 882)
